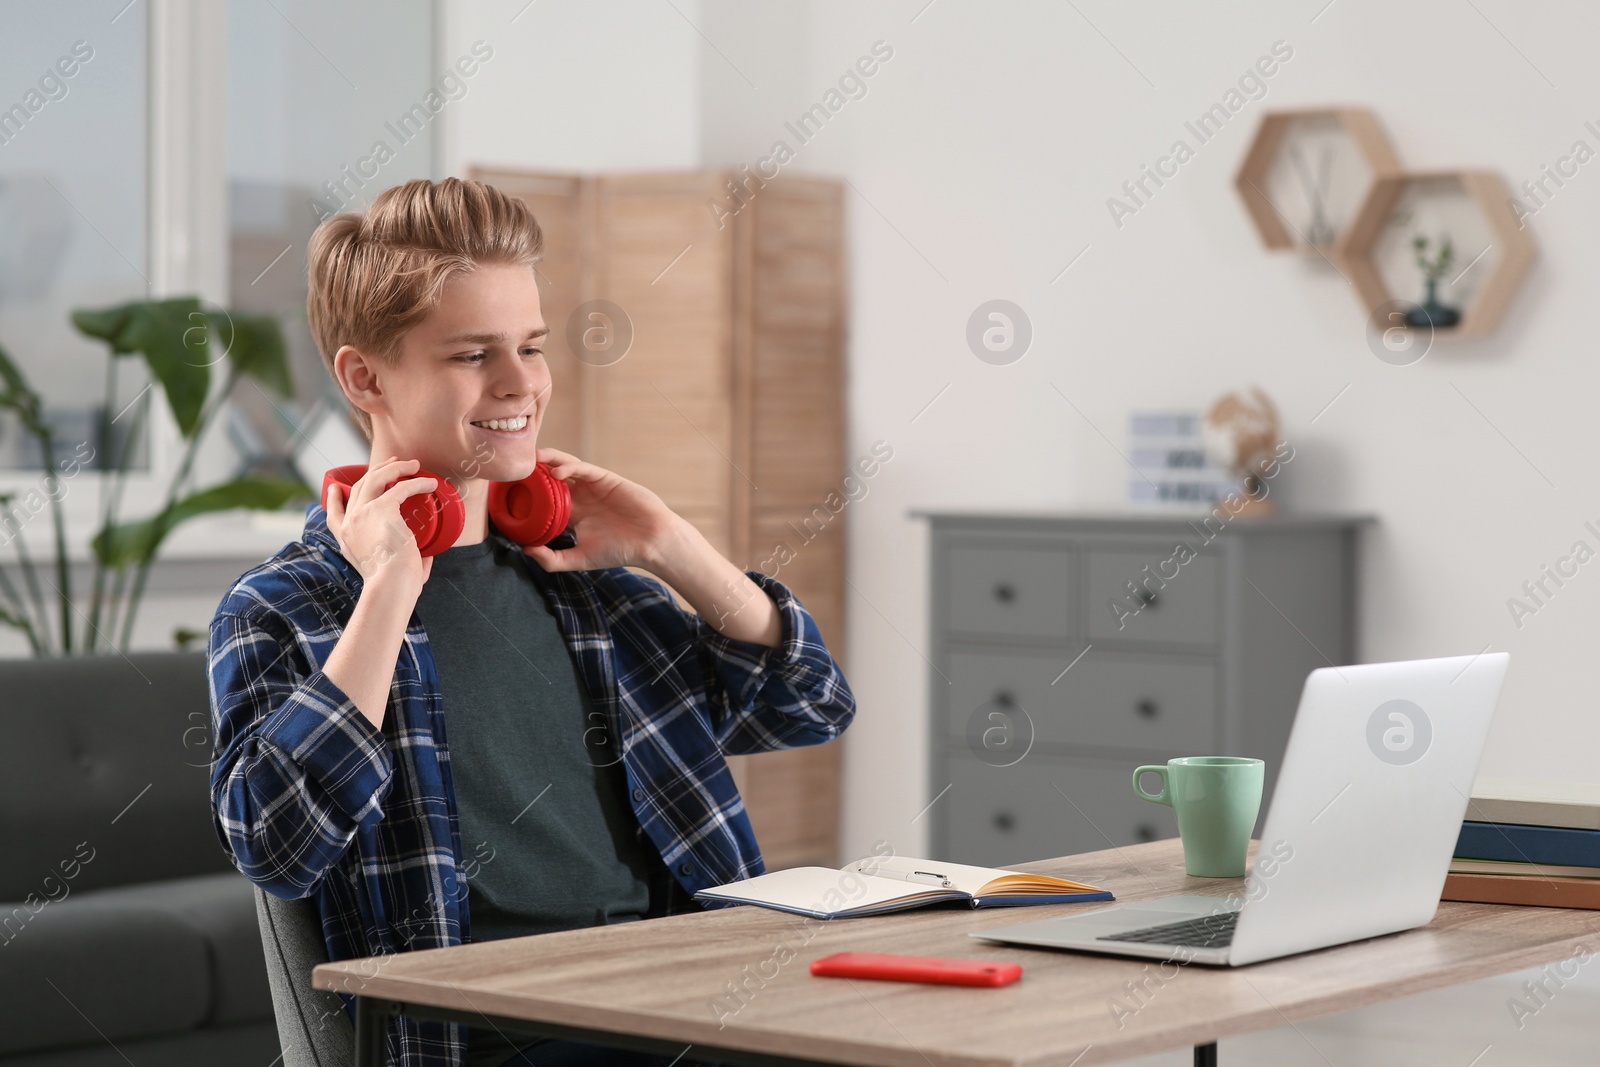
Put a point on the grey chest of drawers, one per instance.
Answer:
(1068, 649)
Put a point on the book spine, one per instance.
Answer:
(1513, 889)
(1524, 870)
(1534, 813)
(1528, 844)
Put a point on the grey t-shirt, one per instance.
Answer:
(548, 838)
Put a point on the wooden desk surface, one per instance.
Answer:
(666, 977)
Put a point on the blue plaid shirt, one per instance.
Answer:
(310, 799)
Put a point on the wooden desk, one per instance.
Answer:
(657, 984)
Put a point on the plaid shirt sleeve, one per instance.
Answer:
(297, 767)
(770, 697)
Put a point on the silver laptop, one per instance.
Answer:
(1358, 838)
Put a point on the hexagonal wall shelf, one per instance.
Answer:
(1299, 204)
(1474, 209)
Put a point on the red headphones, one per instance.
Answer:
(534, 511)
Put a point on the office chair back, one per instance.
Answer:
(313, 1028)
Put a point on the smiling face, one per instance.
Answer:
(477, 358)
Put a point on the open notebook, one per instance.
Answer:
(878, 884)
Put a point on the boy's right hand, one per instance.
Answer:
(370, 531)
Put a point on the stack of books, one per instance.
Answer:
(1527, 842)
(1171, 469)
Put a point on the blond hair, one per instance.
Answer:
(374, 275)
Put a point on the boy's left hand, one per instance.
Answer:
(617, 523)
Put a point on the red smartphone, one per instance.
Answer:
(937, 970)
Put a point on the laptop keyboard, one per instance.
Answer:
(1207, 931)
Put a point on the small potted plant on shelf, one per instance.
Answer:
(1431, 312)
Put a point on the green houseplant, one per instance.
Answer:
(1432, 312)
(179, 343)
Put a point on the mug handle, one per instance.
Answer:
(1163, 797)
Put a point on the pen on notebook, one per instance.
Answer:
(911, 876)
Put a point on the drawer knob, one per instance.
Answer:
(1148, 708)
(1145, 832)
(1005, 593)
(1004, 821)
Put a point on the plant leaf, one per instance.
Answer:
(137, 541)
(255, 346)
(107, 324)
(18, 396)
(174, 338)
(16, 621)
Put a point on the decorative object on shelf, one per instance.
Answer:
(1462, 199)
(1242, 432)
(1319, 232)
(175, 339)
(1431, 312)
(1292, 208)
(1170, 465)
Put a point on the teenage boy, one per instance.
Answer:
(584, 778)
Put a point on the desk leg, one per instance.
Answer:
(370, 1015)
(1205, 1055)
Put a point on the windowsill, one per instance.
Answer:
(231, 535)
(253, 535)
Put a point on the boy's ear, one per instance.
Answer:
(359, 376)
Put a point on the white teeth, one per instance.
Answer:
(505, 424)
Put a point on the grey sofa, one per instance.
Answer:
(126, 934)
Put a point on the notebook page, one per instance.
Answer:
(820, 889)
(968, 879)
(962, 877)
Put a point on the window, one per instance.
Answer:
(259, 117)
(73, 217)
(318, 92)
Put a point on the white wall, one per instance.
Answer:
(602, 85)
(982, 157)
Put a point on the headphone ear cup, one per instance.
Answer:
(436, 519)
(344, 477)
(533, 511)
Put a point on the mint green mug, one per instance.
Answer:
(1216, 799)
